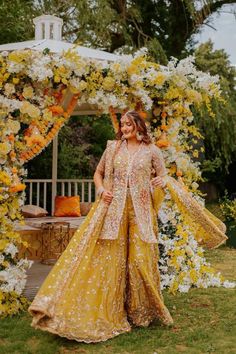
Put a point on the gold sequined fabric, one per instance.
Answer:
(134, 170)
(208, 230)
(99, 288)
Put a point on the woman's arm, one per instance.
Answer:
(158, 164)
(98, 180)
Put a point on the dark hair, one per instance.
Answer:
(139, 123)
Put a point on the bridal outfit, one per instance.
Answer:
(107, 279)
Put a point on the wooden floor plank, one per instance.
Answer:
(35, 277)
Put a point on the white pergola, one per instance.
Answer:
(48, 35)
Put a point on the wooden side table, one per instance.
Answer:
(55, 238)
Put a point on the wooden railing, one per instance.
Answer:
(39, 191)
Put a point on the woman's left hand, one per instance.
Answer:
(158, 182)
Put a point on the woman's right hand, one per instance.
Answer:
(107, 197)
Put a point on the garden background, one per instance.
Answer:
(123, 28)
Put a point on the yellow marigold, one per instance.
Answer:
(17, 188)
(56, 110)
(161, 143)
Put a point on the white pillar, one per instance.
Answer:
(47, 30)
(54, 170)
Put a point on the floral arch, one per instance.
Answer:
(38, 93)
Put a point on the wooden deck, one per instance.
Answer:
(36, 275)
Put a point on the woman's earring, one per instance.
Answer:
(139, 136)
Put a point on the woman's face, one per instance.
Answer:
(127, 127)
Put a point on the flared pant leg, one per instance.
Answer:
(143, 298)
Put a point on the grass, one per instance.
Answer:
(204, 323)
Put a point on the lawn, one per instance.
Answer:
(205, 322)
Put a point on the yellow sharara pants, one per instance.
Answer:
(116, 285)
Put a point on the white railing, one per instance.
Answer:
(39, 191)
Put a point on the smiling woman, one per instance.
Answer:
(108, 277)
(120, 279)
(60, 82)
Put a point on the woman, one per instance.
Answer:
(108, 278)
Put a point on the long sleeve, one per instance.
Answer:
(158, 162)
(101, 165)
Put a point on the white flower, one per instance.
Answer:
(228, 284)
(9, 89)
(4, 53)
(11, 249)
(184, 288)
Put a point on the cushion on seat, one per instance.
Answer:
(67, 206)
(33, 211)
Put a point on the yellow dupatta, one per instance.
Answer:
(208, 230)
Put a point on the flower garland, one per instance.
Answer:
(33, 86)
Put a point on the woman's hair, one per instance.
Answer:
(138, 123)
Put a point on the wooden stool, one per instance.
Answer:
(55, 238)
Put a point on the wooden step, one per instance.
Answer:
(35, 277)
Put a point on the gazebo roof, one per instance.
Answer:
(48, 34)
(56, 46)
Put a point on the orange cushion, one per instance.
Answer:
(67, 206)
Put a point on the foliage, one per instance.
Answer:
(83, 139)
(219, 130)
(228, 208)
(16, 21)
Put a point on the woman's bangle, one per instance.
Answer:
(100, 190)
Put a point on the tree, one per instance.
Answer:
(219, 131)
(122, 26)
(16, 21)
(83, 139)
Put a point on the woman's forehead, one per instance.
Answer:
(125, 119)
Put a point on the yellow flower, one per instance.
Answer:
(15, 80)
(28, 92)
(57, 79)
(159, 79)
(83, 85)
(5, 148)
(195, 153)
(13, 125)
(108, 83)
(193, 275)
(30, 109)
(3, 244)
(116, 67)
(3, 210)
(132, 69)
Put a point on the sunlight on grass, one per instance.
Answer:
(204, 323)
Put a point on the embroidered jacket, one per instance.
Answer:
(122, 169)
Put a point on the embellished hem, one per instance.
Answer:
(114, 333)
(88, 339)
